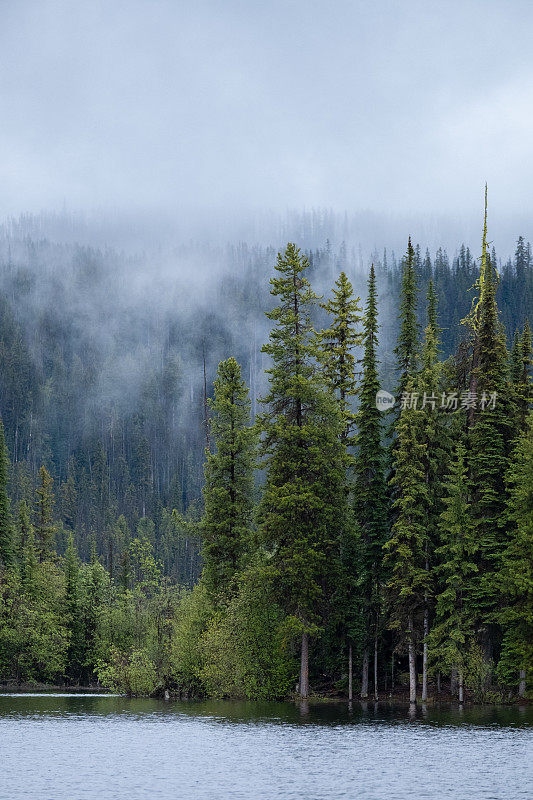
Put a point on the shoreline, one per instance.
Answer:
(399, 699)
(40, 688)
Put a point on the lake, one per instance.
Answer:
(72, 747)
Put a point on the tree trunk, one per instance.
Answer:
(376, 667)
(304, 666)
(412, 662)
(425, 656)
(522, 684)
(350, 673)
(364, 675)
(453, 682)
(461, 686)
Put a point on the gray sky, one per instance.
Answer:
(388, 106)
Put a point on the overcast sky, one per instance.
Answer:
(381, 105)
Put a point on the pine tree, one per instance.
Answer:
(44, 522)
(303, 508)
(337, 343)
(7, 545)
(370, 491)
(229, 482)
(406, 549)
(454, 622)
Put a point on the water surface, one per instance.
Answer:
(73, 747)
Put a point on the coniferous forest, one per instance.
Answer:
(211, 500)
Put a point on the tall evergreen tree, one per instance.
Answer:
(337, 343)
(406, 549)
(228, 491)
(302, 511)
(406, 350)
(434, 434)
(370, 491)
(490, 440)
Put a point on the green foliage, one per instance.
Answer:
(370, 490)
(144, 569)
(192, 617)
(44, 522)
(229, 482)
(303, 507)
(33, 634)
(478, 674)
(405, 550)
(81, 599)
(516, 576)
(132, 673)
(246, 650)
(490, 438)
(406, 350)
(454, 624)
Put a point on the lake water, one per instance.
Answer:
(72, 747)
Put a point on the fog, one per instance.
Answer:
(173, 120)
(155, 155)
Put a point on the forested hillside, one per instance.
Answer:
(199, 492)
(102, 363)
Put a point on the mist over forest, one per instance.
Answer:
(266, 294)
(103, 350)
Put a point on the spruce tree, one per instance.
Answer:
(370, 491)
(406, 549)
(490, 440)
(7, 545)
(337, 344)
(303, 508)
(229, 482)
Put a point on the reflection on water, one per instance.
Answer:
(103, 746)
(233, 711)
